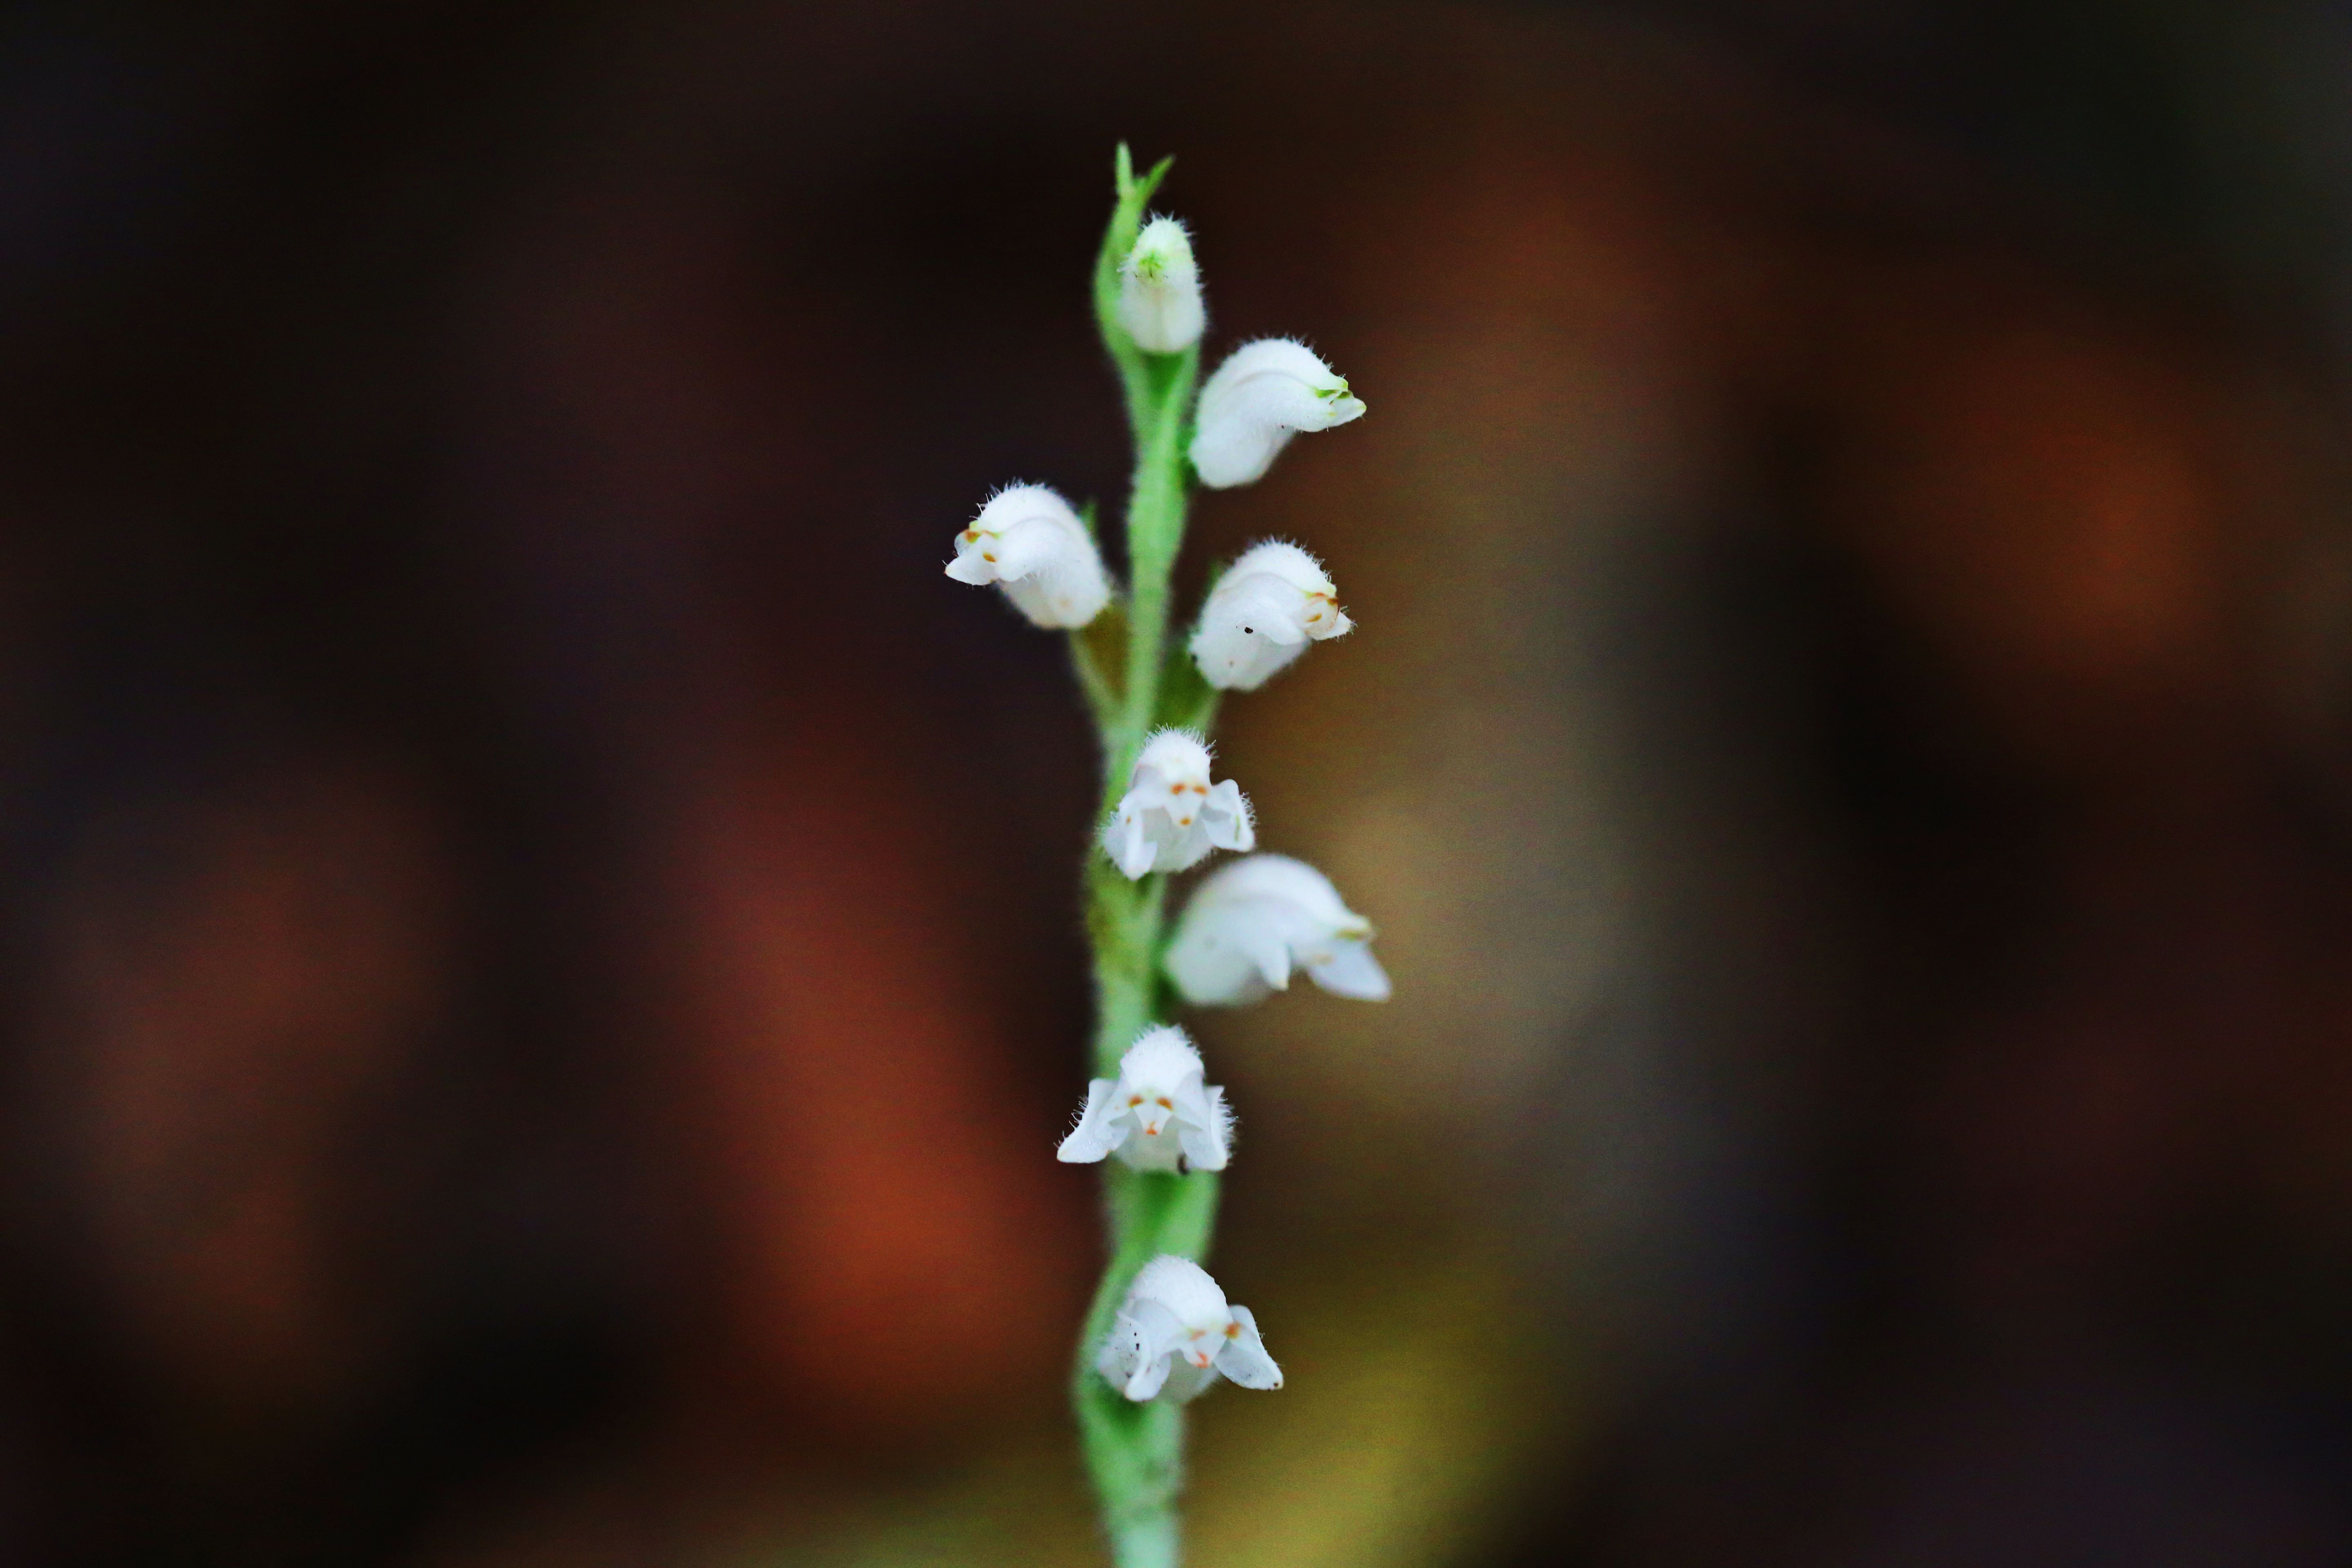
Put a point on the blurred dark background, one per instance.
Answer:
(541, 974)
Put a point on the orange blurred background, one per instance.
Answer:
(543, 971)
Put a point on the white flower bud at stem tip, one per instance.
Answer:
(1160, 289)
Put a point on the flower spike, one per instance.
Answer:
(1029, 543)
(1172, 816)
(1264, 393)
(1250, 924)
(1175, 1334)
(1261, 615)
(1157, 1115)
(1160, 289)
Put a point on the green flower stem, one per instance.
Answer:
(1155, 530)
(1135, 1452)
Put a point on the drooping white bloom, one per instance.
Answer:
(1262, 614)
(1175, 1333)
(1028, 542)
(1264, 393)
(1157, 1115)
(1160, 289)
(1172, 816)
(1249, 923)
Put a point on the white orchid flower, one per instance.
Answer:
(1029, 543)
(1172, 816)
(1157, 1115)
(1264, 393)
(1160, 289)
(1251, 922)
(1175, 1334)
(1261, 615)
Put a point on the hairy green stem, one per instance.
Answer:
(1134, 1453)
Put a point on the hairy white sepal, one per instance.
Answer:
(1264, 393)
(1249, 924)
(1029, 543)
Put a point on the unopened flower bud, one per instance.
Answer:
(1175, 1334)
(1264, 393)
(1157, 1115)
(1250, 923)
(1160, 289)
(1029, 543)
(1172, 816)
(1261, 615)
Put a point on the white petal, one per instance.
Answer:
(1204, 1127)
(1351, 970)
(1094, 1137)
(1121, 1353)
(1187, 848)
(1186, 1381)
(1146, 1379)
(1214, 974)
(1243, 1357)
(1154, 1333)
(1269, 948)
(1192, 1098)
(1204, 1145)
(1130, 848)
(1184, 1289)
(1278, 624)
(1141, 1152)
(1227, 817)
(1033, 544)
